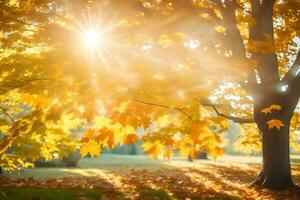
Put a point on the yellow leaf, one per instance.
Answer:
(92, 148)
(122, 107)
(101, 121)
(220, 29)
(275, 123)
(153, 149)
(168, 153)
(215, 152)
(163, 121)
(28, 164)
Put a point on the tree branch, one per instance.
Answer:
(167, 107)
(8, 87)
(255, 6)
(234, 119)
(293, 71)
(233, 34)
(263, 31)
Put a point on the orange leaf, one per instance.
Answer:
(130, 138)
(84, 140)
(275, 107)
(266, 110)
(275, 123)
(103, 134)
(89, 133)
(269, 109)
(169, 141)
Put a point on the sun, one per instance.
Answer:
(100, 39)
(92, 39)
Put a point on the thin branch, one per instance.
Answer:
(167, 107)
(234, 119)
(21, 84)
(7, 114)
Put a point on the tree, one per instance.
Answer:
(32, 124)
(178, 70)
(274, 99)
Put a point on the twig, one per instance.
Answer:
(6, 113)
(234, 119)
(22, 83)
(167, 107)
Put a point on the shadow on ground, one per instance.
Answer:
(161, 180)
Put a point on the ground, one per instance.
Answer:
(140, 177)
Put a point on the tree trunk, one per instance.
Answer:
(276, 170)
(201, 156)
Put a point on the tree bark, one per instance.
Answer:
(201, 156)
(276, 170)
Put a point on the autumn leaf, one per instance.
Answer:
(122, 107)
(269, 110)
(169, 141)
(89, 133)
(152, 149)
(215, 152)
(168, 153)
(103, 134)
(92, 148)
(130, 138)
(275, 123)
(163, 120)
(84, 140)
(275, 107)
(220, 29)
(101, 121)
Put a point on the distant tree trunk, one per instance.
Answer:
(201, 156)
(1, 172)
(276, 169)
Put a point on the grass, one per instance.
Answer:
(143, 178)
(48, 194)
(97, 166)
(121, 163)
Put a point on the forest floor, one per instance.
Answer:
(138, 177)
